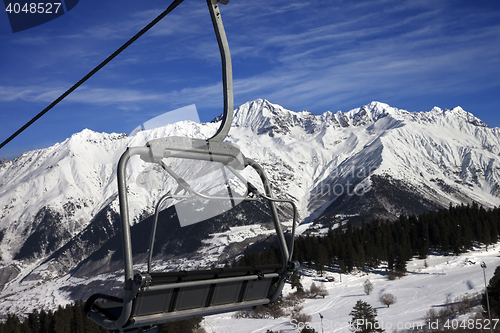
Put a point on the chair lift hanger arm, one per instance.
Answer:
(227, 71)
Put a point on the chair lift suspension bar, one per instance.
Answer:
(227, 70)
(130, 289)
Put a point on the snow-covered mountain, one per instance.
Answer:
(59, 206)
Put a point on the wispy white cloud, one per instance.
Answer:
(308, 52)
(81, 95)
(122, 98)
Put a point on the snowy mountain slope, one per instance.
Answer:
(59, 208)
(437, 158)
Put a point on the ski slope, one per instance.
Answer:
(422, 289)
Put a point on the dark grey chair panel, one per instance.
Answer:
(225, 293)
(257, 289)
(192, 297)
(151, 302)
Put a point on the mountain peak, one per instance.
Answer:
(263, 116)
(92, 136)
(372, 112)
(457, 114)
(466, 116)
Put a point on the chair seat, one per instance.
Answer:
(180, 295)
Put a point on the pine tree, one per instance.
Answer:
(422, 230)
(34, 321)
(400, 262)
(364, 319)
(77, 324)
(12, 324)
(351, 256)
(361, 257)
(321, 259)
(45, 321)
(295, 282)
(342, 267)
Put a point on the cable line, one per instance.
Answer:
(95, 70)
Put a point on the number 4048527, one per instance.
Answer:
(33, 8)
(470, 324)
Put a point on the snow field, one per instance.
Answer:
(419, 291)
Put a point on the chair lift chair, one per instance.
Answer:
(151, 298)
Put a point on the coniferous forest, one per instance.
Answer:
(445, 232)
(65, 319)
(71, 319)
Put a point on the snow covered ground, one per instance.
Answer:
(422, 289)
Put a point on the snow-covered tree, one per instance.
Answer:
(368, 286)
(316, 290)
(388, 299)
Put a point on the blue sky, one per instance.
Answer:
(304, 55)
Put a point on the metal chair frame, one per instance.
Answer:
(150, 298)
